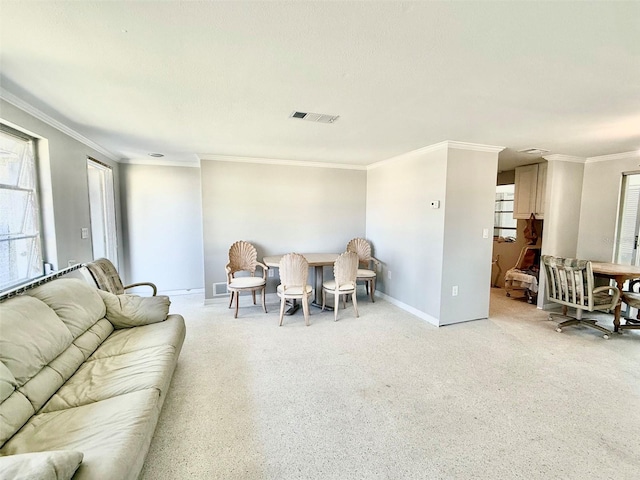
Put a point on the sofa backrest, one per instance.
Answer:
(45, 335)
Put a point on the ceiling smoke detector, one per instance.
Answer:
(315, 117)
(533, 151)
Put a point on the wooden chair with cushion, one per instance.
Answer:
(294, 273)
(632, 298)
(106, 276)
(241, 269)
(524, 275)
(367, 264)
(345, 271)
(570, 283)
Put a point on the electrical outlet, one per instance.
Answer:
(454, 291)
(389, 274)
(84, 233)
(271, 272)
(485, 233)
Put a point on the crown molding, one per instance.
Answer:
(275, 161)
(557, 157)
(160, 163)
(436, 147)
(614, 156)
(477, 147)
(40, 115)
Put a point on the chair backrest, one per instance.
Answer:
(345, 269)
(294, 270)
(106, 276)
(569, 281)
(361, 247)
(529, 258)
(242, 257)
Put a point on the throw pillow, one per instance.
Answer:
(126, 310)
(52, 465)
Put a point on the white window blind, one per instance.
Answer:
(626, 247)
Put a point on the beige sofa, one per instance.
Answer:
(83, 376)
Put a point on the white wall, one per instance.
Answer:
(279, 209)
(162, 238)
(66, 195)
(562, 206)
(600, 199)
(469, 211)
(406, 233)
(429, 250)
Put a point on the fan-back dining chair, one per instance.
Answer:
(632, 298)
(294, 273)
(345, 271)
(106, 276)
(243, 260)
(570, 283)
(367, 264)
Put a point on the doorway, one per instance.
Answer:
(102, 211)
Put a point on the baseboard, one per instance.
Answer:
(187, 291)
(408, 308)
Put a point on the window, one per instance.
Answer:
(20, 236)
(504, 225)
(102, 209)
(629, 221)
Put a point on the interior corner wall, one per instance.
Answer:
(469, 213)
(600, 200)
(562, 208)
(406, 233)
(163, 226)
(68, 188)
(279, 209)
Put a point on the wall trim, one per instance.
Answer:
(187, 291)
(275, 161)
(40, 115)
(614, 156)
(564, 158)
(436, 147)
(407, 308)
(160, 163)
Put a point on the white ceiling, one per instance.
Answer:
(193, 79)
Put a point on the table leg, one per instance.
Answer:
(317, 301)
(618, 310)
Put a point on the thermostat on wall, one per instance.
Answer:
(435, 204)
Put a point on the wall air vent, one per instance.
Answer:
(533, 151)
(315, 117)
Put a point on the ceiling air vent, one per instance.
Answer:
(315, 117)
(534, 151)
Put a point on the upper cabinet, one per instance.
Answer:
(531, 182)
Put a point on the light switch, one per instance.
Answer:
(485, 233)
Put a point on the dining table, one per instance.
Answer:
(620, 274)
(316, 260)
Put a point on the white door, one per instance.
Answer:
(102, 208)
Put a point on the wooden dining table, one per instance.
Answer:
(620, 273)
(316, 260)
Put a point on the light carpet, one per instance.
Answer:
(388, 396)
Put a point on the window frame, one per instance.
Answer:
(38, 236)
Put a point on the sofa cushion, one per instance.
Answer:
(76, 303)
(103, 378)
(52, 465)
(170, 332)
(125, 310)
(32, 336)
(8, 382)
(113, 434)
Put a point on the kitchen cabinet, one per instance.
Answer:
(530, 189)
